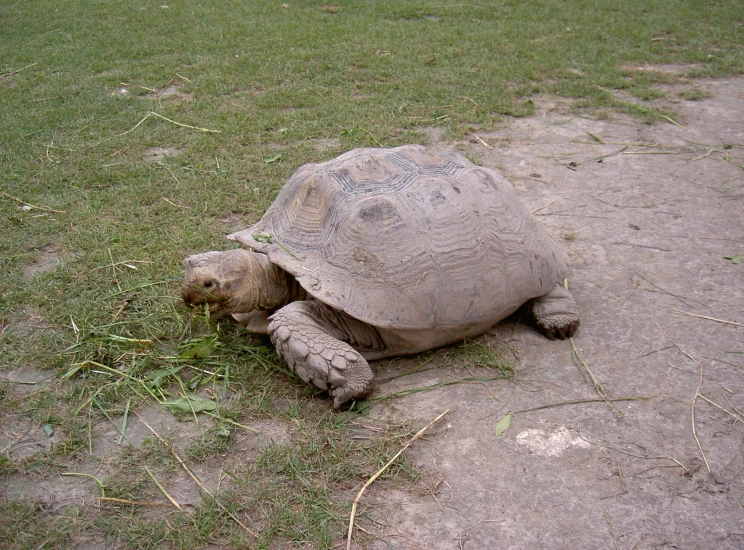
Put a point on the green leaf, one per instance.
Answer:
(734, 259)
(155, 380)
(260, 237)
(595, 138)
(189, 403)
(201, 348)
(194, 382)
(503, 425)
(275, 158)
(70, 373)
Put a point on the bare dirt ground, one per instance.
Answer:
(648, 215)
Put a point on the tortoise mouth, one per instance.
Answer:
(198, 298)
(215, 310)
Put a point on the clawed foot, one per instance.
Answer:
(562, 332)
(320, 359)
(556, 314)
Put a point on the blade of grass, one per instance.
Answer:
(595, 381)
(123, 429)
(434, 387)
(694, 399)
(162, 489)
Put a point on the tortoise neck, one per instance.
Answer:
(296, 292)
(275, 287)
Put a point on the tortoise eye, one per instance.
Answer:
(208, 284)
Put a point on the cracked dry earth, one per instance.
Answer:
(648, 216)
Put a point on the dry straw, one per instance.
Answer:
(371, 480)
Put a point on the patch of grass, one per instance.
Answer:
(7, 465)
(150, 451)
(480, 353)
(27, 525)
(135, 530)
(693, 94)
(82, 189)
(213, 442)
(297, 486)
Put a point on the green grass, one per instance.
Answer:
(78, 80)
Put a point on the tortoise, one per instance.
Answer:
(379, 253)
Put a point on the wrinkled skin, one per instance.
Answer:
(235, 281)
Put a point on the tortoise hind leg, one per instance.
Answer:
(556, 313)
(316, 342)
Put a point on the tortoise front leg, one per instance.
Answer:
(556, 313)
(316, 342)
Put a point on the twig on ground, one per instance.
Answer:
(46, 99)
(11, 73)
(735, 409)
(597, 159)
(622, 483)
(175, 178)
(123, 428)
(126, 263)
(622, 479)
(700, 157)
(44, 208)
(173, 203)
(127, 290)
(151, 113)
(737, 417)
(582, 401)
(173, 501)
(486, 145)
(622, 451)
(463, 536)
(372, 136)
(595, 381)
(672, 121)
(655, 468)
(372, 479)
(133, 502)
(114, 268)
(133, 128)
(542, 207)
(694, 399)
(94, 478)
(434, 387)
(679, 312)
(490, 392)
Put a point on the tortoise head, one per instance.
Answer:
(223, 281)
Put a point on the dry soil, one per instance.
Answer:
(648, 213)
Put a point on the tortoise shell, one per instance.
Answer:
(408, 238)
